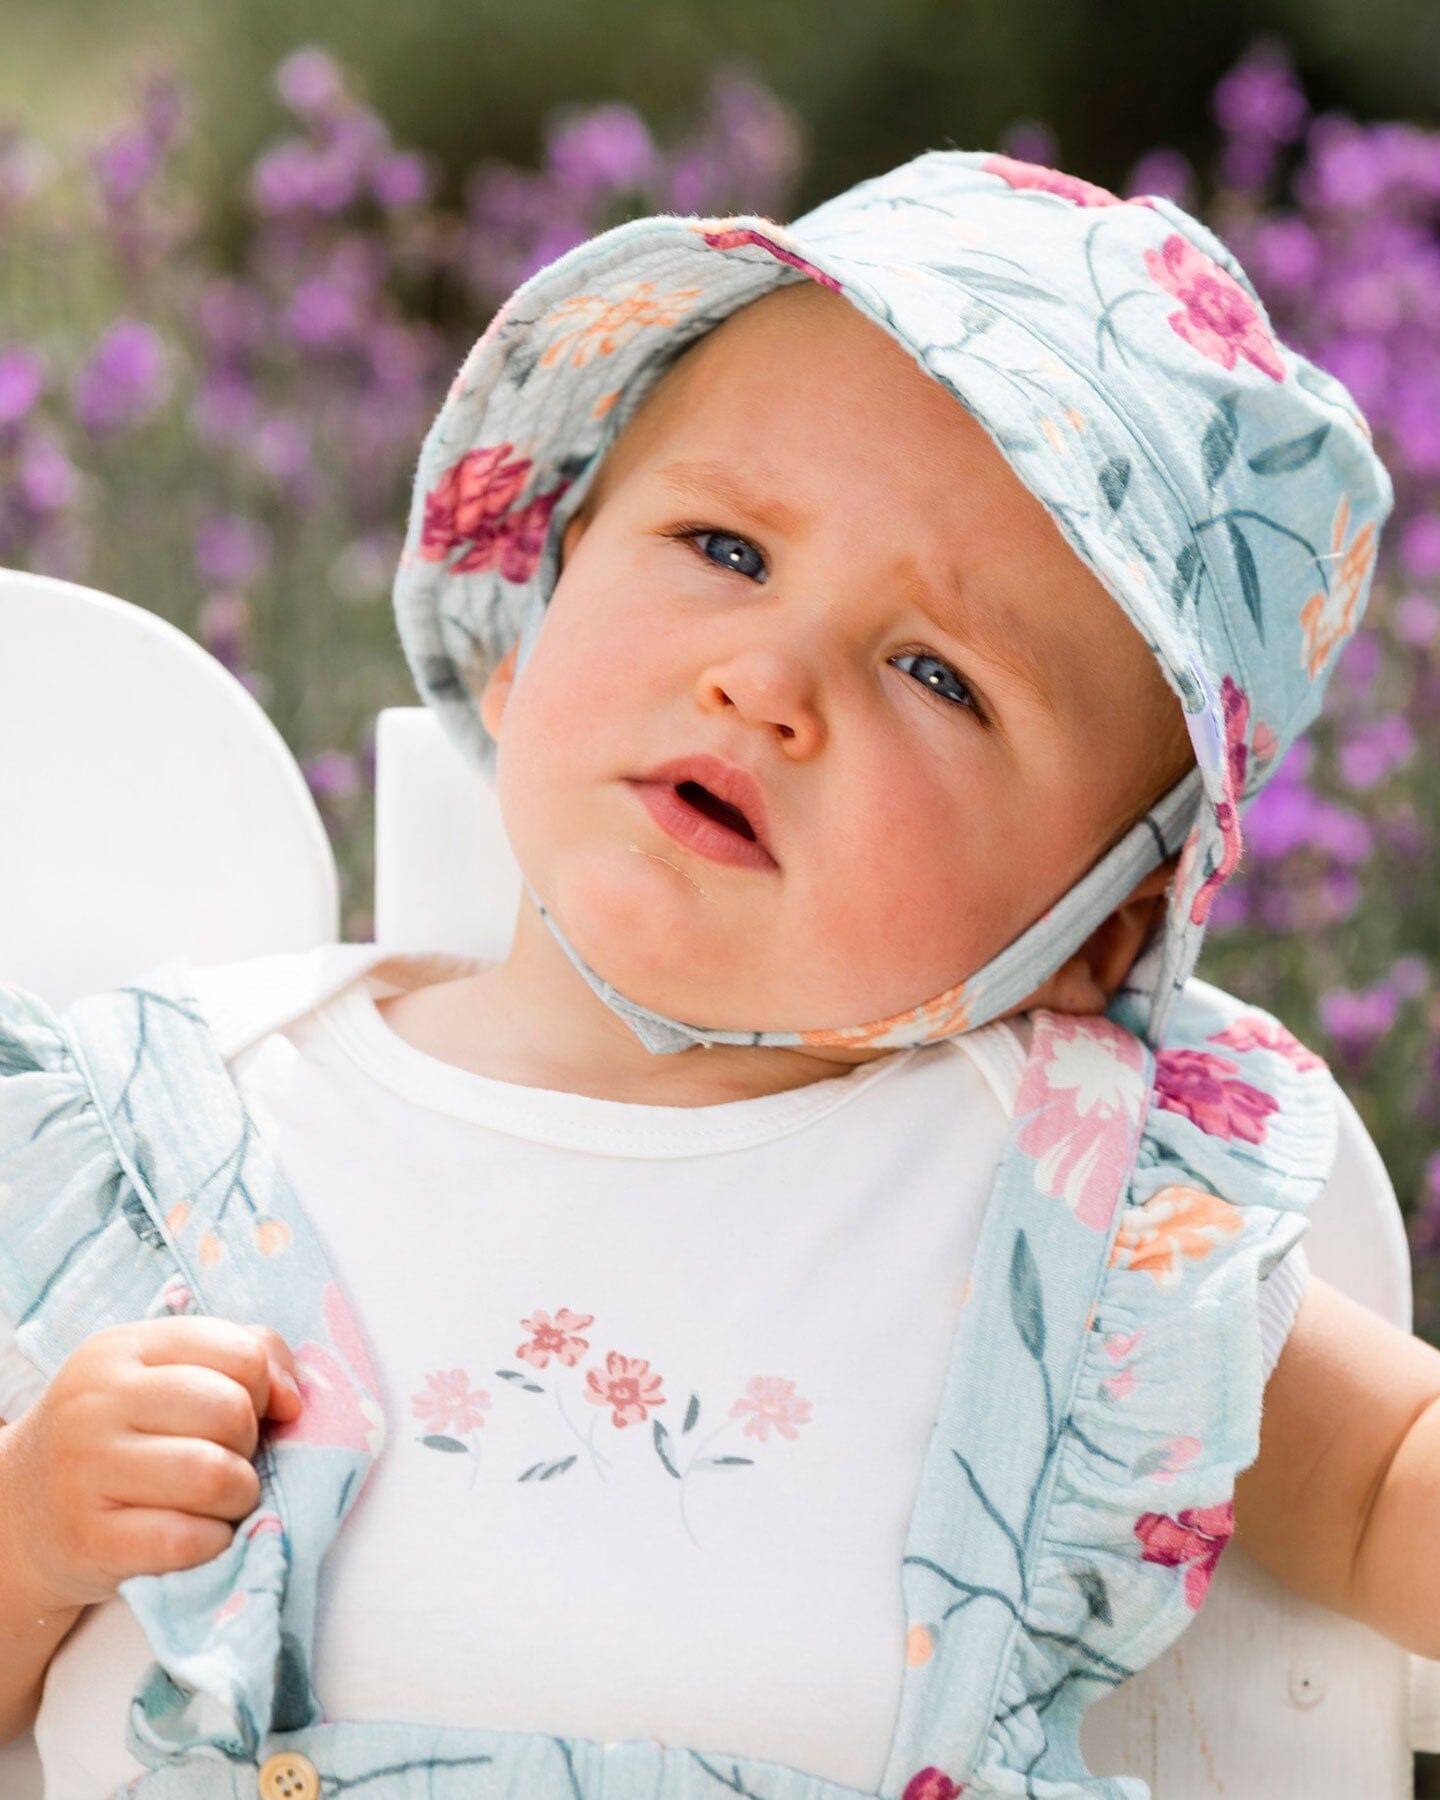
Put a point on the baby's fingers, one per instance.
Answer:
(152, 1540)
(283, 1402)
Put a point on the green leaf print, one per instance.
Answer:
(530, 1387)
(445, 1443)
(1091, 1584)
(1186, 565)
(1025, 1304)
(1114, 480)
(692, 1413)
(1249, 574)
(543, 1471)
(662, 1439)
(1294, 453)
(1218, 444)
(723, 1462)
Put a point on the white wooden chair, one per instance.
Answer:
(148, 807)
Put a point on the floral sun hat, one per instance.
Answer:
(1222, 488)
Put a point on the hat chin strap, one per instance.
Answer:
(997, 988)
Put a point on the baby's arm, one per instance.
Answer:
(134, 1460)
(1343, 1501)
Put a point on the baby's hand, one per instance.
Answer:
(138, 1452)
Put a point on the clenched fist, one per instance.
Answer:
(136, 1458)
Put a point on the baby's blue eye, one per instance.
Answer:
(939, 677)
(733, 555)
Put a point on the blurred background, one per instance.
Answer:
(243, 250)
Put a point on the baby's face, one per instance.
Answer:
(804, 558)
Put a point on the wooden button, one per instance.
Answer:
(289, 1776)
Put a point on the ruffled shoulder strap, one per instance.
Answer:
(136, 1185)
(1108, 1383)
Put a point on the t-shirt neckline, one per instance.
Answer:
(582, 1121)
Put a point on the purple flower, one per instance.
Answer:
(47, 478)
(22, 381)
(1260, 97)
(230, 549)
(1373, 751)
(1416, 620)
(322, 313)
(231, 316)
(124, 164)
(1356, 1022)
(401, 179)
(125, 381)
(1032, 141)
(225, 406)
(309, 83)
(1420, 545)
(224, 630)
(1165, 172)
(604, 150)
(333, 775)
(281, 448)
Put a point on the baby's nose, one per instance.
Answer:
(766, 687)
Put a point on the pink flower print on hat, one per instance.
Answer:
(557, 1338)
(627, 1386)
(471, 505)
(771, 1400)
(1049, 181)
(1216, 317)
(1197, 1537)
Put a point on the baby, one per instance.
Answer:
(876, 628)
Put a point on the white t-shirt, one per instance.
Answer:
(540, 1276)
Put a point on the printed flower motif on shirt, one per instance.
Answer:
(1216, 317)
(1086, 1098)
(555, 1338)
(1194, 1539)
(626, 1392)
(627, 1387)
(1174, 1225)
(770, 1401)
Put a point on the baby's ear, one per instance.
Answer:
(496, 692)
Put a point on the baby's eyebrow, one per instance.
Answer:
(997, 629)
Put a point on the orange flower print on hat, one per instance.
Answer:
(1328, 619)
(610, 322)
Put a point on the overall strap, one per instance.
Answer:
(236, 1632)
(1007, 1407)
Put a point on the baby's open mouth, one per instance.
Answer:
(714, 808)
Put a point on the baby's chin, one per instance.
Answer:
(665, 938)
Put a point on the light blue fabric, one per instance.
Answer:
(1103, 1392)
(1220, 486)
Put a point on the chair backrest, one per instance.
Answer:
(148, 807)
(219, 852)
